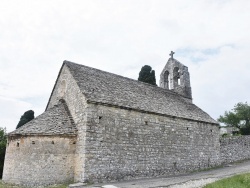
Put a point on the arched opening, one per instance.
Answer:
(177, 74)
(166, 80)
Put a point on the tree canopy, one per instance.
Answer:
(147, 75)
(3, 142)
(238, 117)
(25, 118)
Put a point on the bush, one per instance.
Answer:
(3, 142)
(225, 135)
(245, 131)
(25, 118)
(147, 75)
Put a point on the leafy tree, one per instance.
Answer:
(239, 117)
(25, 118)
(147, 75)
(3, 142)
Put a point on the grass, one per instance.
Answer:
(58, 186)
(238, 181)
(4, 185)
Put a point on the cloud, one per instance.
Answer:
(221, 81)
(209, 36)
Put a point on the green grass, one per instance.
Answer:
(59, 186)
(4, 185)
(238, 181)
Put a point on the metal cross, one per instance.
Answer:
(171, 54)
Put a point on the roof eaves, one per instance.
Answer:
(149, 112)
(41, 134)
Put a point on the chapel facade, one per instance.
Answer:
(100, 127)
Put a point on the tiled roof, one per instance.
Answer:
(55, 121)
(107, 88)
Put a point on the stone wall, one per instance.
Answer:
(234, 148)
(66, 88)
(125, 144)
(39, 160)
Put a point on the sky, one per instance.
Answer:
(210, 37)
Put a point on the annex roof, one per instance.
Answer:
(54, 121)
(111, 89)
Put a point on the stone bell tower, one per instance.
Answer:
(175, 76)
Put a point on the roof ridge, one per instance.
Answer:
(131, 79)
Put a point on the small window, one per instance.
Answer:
(166, 79)
(100, 117)
(187, 128)
(179, 81)
(176, 78)
(17, 144)
(146, 122)
(33, 142)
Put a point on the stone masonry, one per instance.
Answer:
(123, 145)
(235, 148)
(175, 76)
(39, 160)
(43, 151)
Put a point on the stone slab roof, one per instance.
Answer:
(111, 89)
(55, 121)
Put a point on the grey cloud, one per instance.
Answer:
(120, 37)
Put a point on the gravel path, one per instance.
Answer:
(194, 180)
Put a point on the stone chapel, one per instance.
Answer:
(100, 127)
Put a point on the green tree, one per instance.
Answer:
(239, 117)
(25, 118)
(3, 142)
(147, 75)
